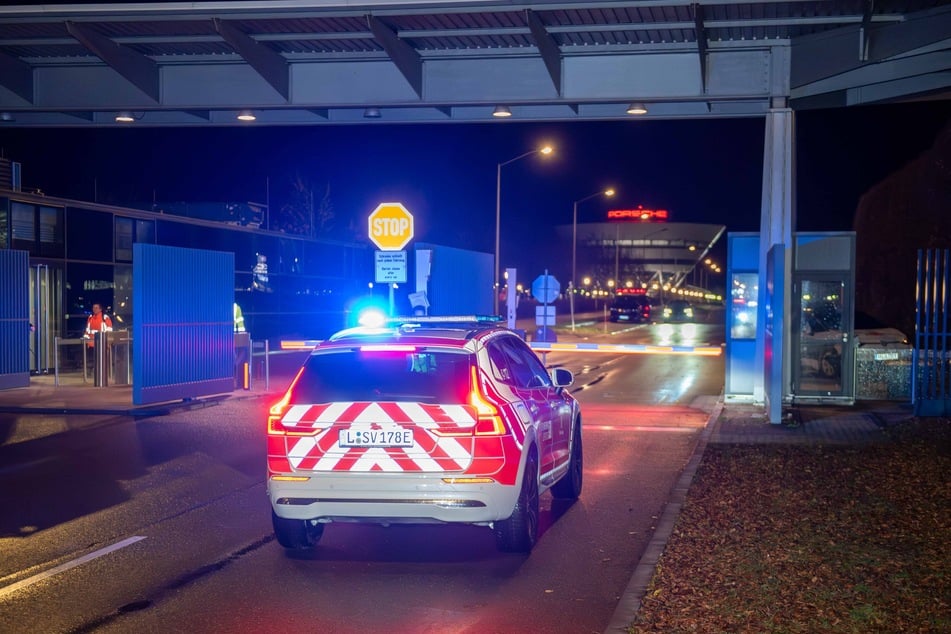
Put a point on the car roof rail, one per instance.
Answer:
(409, 324)
(445, 322)
(444, 319)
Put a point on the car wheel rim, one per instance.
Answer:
(531, 512)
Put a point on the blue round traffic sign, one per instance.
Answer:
(546, 288)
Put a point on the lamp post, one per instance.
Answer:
(574, 247)
(498, 213)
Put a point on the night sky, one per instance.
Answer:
(445, 174)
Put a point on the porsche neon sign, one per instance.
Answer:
(640, 214)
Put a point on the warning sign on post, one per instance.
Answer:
(390, 267)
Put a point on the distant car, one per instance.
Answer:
(678, 310)
(428, 421)
(632, 308)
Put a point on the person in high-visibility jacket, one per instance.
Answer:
(238, 319)
(98, 321)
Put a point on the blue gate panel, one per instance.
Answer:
(14, 318)
(931, 363)
(183, 331)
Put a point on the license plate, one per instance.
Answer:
(623, 317)
(396, 437)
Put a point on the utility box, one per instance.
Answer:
(883, 361)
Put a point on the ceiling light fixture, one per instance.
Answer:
(637, 108)
(125, 117)
(501, 111)
(372, 113)
(246, 115)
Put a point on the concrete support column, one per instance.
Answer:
(777, 223)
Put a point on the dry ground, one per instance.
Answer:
(791, 539)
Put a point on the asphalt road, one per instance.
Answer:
(162, 524)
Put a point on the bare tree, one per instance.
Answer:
(302, 214)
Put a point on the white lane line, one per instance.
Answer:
(69, 564)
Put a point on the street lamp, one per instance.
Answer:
(574, 246)
(498, 213)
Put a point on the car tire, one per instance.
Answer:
(518, 533)
(569, 487)
(296, 534)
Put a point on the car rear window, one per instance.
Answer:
(629, 302)
(386, 374)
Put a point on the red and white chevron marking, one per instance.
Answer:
(431, 452)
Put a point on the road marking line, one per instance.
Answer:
(69, 564)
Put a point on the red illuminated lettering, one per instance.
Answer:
(640, 213)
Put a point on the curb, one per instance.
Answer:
(143, 411)
(632, 596)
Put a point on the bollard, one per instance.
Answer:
(100, 360)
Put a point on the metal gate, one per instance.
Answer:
(931, 373)
(183, 332)
(14, 319)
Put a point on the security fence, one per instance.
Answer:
(931, 367)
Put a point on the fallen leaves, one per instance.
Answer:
(812, 539)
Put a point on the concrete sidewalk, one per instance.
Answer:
(74, 397)
(863, 422)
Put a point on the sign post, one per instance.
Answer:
(390, 228)
(511, 298)
(545, 289)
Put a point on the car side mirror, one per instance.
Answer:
(562, 377)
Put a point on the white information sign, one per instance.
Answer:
(391, 267)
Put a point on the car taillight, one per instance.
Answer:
(277, 411)
(489, 421)
(275, 414)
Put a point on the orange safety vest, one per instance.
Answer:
(95, 323)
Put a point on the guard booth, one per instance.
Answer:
(817, 330)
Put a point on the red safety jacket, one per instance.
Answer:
(97, 323)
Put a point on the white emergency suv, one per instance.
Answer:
(435, 420)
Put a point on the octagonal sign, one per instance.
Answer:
(391, 226)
